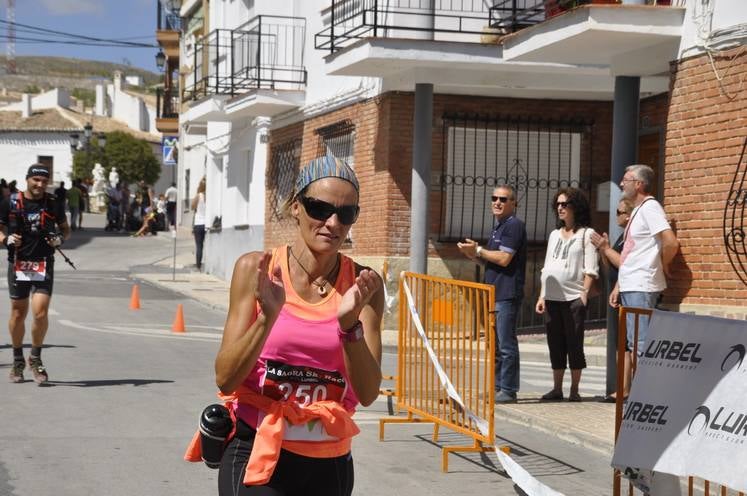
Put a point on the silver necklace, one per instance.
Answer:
(321, 286)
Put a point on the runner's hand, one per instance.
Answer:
(270, 292)
(54, 240)
(366, 285)
(13, 240)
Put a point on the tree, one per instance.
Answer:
(133, 158)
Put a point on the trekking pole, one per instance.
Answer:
(70, 262)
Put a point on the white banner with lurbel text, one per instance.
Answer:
(687, 410)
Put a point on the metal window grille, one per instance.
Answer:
(734, 218)
(535, 159)
(286, 159)
(338, 139)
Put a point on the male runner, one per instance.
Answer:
(28, 228)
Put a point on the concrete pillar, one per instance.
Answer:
(26, 106)
(257, 191)
(624, 153)
(421, 177)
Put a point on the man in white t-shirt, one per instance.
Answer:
(171, 194)
(649, 248)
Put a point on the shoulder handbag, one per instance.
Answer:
(594, 290)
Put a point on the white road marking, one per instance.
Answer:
(53, 312)
(149, 333)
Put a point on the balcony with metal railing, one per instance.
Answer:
(168, 28)
(167, 110)
(453, 20)
(477, 21)
(167, 17)
(265, 53)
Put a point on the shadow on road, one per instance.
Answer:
(44, 346)
(107, 382)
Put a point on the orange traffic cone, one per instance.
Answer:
(135, 298)
(178, 325)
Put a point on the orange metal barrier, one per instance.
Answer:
(459, 322)
(621, 341)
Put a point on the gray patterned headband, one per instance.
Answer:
(327, 166)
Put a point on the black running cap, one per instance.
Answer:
(38, 170)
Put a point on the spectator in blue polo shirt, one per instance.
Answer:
(505, 259)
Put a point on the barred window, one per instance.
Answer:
(535, 160)
(286, 159)
(338, 139)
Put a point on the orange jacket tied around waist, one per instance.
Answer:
(337, 421)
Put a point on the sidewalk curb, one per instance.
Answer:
(540, 424)
(182, 290)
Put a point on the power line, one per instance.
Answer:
(39, 41)
(77, 36)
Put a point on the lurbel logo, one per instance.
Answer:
(733, 358)
(704, 412)
(726, 425)
(645, 416)
(671, 354)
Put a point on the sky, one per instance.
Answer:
(98, 18)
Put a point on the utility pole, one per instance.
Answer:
(10, 45)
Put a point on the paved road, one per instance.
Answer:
(125, 393)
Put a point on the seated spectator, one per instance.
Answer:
(149, 220)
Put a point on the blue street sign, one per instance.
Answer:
(170, 147)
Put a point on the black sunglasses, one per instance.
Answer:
(621, 212)
(561, 204)
(321, 210)
(502, 199)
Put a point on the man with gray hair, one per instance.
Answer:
(648, 250)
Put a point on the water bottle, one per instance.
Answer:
(215, 426)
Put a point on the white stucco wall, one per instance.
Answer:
(58, 97)
(129, 109)
(217, 144)
(705, 22)
(19, 150)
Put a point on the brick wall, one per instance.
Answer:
(706, 127)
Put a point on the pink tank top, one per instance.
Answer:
(302, 359)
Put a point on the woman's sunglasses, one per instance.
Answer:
(321, 210)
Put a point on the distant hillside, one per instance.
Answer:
(75, 69)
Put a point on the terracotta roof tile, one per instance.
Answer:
(40, 120)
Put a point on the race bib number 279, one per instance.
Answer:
(301, 384)
(30, 270)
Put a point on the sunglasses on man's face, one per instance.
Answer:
(502, 199)
(321, 210)
(561, 204)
